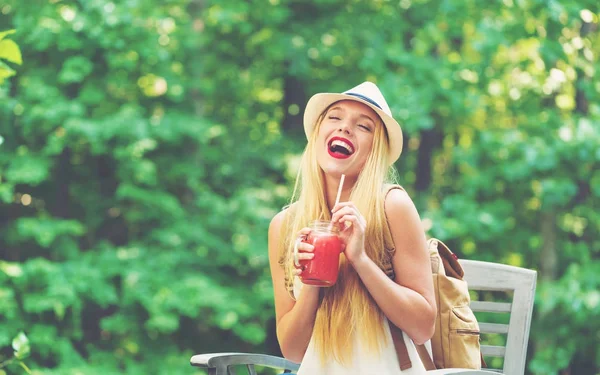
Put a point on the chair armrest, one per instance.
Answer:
(221, 361)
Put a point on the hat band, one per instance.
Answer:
(365, 99)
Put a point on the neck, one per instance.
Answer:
(332, 184)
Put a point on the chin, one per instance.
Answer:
(336, 170)
(332, 168)
(336, 167)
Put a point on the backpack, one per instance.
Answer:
(455, 343)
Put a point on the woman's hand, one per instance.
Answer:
(305, 250)
(352, 229)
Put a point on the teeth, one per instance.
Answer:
(343, 144)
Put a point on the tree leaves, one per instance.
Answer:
(75, 69)
(145, 147)
(9, 51)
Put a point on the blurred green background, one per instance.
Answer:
(145, 146)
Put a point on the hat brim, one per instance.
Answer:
(320, 102)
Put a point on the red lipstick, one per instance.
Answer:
(342, 149)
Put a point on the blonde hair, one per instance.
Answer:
(347, 307)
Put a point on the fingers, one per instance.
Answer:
(347, 215)
(335, 217)
(305, 247)
(303, 251)
(302, 244)
(301, 267)
(304, 232)
(305, 256)
(349, 220)
(342, 205)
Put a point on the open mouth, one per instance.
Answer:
(340, 148)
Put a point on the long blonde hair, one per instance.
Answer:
(347, 307)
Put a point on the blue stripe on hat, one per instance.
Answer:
(365, 99)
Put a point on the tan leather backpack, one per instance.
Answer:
(455, 343)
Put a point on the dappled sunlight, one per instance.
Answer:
(145, 147)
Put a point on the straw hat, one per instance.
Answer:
(367, 93)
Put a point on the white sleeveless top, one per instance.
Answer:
(363, 362)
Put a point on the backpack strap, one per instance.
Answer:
(425, 357)
(390, 249)
(397, 337)
(400, 346)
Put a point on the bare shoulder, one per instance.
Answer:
(277, 220)
(404, 222)
(398, 204)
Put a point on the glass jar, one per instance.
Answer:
(322, 270)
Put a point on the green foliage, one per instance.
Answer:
(20, 345)
(9, 51)
(145, 145)
(21, 350)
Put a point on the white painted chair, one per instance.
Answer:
(518, 283)
(484, 277)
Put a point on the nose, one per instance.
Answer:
(344, 127)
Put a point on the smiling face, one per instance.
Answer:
(345, 138)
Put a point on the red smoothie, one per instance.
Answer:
(322, 269)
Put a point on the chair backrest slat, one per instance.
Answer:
(496, 307)
(493, 351)
(493, 328)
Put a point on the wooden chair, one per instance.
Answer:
(223, 363)
(517, 284)
(484, 277)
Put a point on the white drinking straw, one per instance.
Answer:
(339, 193)
(337, 199)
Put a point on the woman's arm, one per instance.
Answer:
(295, 319)
(408, 301)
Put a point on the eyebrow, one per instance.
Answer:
(360, 115)
(368, 117)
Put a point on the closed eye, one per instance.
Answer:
(334, 118)
(364, 127)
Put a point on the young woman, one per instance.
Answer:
(385, 275)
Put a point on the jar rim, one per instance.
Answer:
(324, 226)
